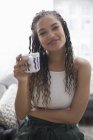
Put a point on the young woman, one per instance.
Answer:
(55, 98)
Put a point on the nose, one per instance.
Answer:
(50, 34)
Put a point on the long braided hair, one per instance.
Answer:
(41, 80)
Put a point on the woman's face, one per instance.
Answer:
(50, 33)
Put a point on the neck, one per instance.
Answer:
(56, 60)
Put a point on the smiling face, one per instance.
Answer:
(50, 33)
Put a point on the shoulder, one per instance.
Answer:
(82, 63)
(83, 66)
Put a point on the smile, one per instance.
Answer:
(53, 41)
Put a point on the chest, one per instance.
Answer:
(59, 97)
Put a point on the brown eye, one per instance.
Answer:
(42, 33)
(55, 28)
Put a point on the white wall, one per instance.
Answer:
(79, 17)
(15, 21)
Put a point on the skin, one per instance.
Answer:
(23, 98)
(51, 34)
(52, 38)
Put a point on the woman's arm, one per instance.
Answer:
(79, 103)
(23, 99)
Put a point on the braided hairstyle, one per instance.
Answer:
(41, 80)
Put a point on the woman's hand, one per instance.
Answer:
(20, 68)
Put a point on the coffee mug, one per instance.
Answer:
(33, 60)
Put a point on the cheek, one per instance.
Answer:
(63, 37)
(42, 41)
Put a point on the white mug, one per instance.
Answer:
(33, 61)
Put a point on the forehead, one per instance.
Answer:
(46, 21)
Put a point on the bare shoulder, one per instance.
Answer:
(82, 64)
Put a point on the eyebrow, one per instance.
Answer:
(42, 29)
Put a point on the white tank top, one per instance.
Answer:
(59, 98)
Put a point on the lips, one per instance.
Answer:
(53, 41)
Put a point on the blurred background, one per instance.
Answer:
(16, 17)
(15, 21)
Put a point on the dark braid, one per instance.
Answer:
(41, 80)
(71, 72)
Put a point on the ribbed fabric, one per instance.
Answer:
(38, 129)
(60, 98)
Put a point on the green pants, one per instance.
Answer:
(38, 129)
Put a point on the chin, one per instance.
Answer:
(55, 50)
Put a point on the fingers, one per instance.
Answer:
(18, 58)
(19, 72)
(20, 67)
(20, 62)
